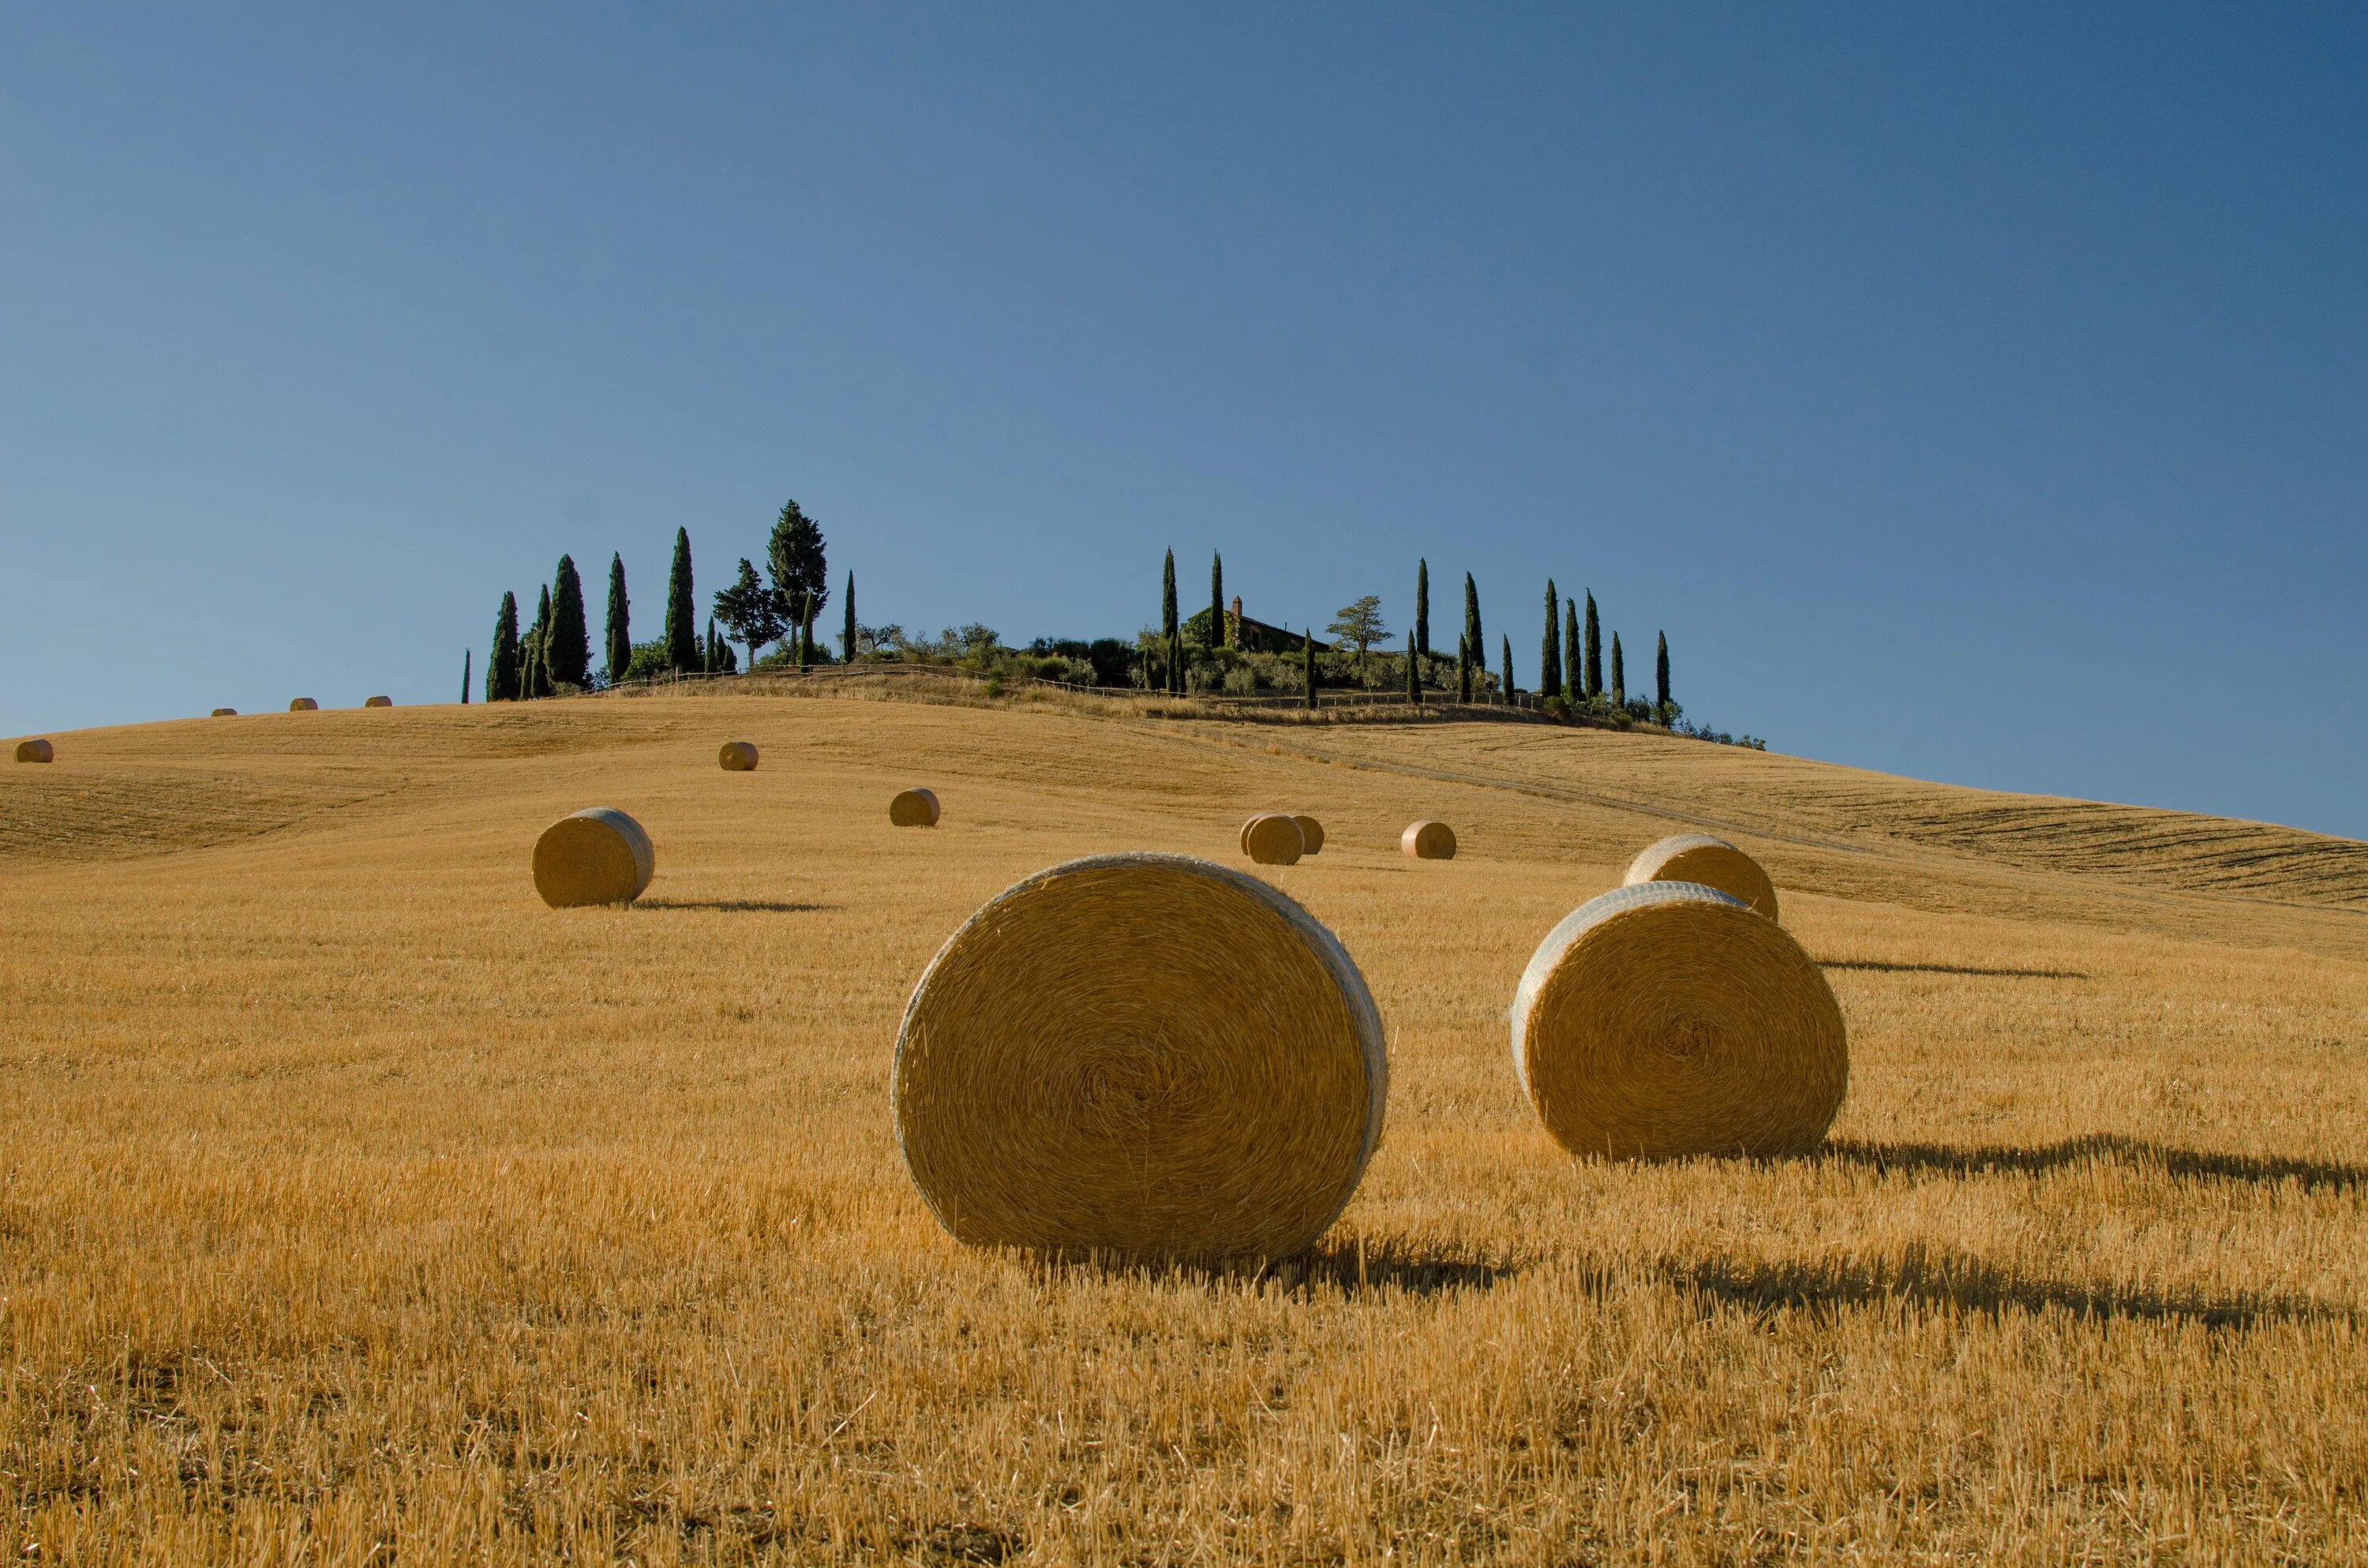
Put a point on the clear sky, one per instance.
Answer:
(1974, 392)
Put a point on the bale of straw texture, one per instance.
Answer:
(1271, 838)
(303, 705)
(225, 713)
(36, 751)
(737, 756)
(1311, 834)
(378, 701)
(1427, 840)
(1667, 1019)
(597, 855)
(1708, 862)
(1141, 1054)
(913, 808)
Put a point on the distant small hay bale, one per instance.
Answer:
(1427, 840)
(1667, 1019)
(1141, 1054)
(378, 701)
(597, 855)
(1311, 834)
(303, 705)
(1270, 838)
(737, 756)
(1709, 862)
(36, 751)
(225, 713)
(913, 808)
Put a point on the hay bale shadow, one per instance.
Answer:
(2264, 1170)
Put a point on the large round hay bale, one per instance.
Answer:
(913, 808)
(597, 855)
(36, 751)
(1707, 862)
(1667, 1019)
(225, 713)
(737, 756)
(1427, 840)
(1311, 834)
(303, 705)
(1144, 1054)
(1270, 838)
(378, 701)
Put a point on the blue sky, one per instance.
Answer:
(1975, 391)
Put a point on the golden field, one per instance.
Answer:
(356, 1208)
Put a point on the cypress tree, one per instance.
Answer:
(846, 637)
(538, 661)
(502, 662)
(1307, 648)
(1573, 687)
(1661, 677)
(1471, 621)
(568, 645)
(466, 655)
(1619, 676)
(1594, 650)
(1177, 685)
(682, 616)
(1414, 671)
(620, 630)
(1550, 645)
(1216, 602)
(1505, 669)
(1464, 669)
(1422, 606)
(1167, 603)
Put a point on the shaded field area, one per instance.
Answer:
(356, 1206)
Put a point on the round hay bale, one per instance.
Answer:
(1271, 838)
(36, 751)
(225, 713)
(737, 756)
(378, 701)
(1145, 1054)
(1427, 840)
(597, 855)
(303, 705)
(1667, 1019)
(1311, 834)
(1707, 862)
(913, 808)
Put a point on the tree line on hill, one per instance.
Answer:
(1216, 650)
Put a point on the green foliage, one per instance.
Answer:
(466, 655)
(1619, 677)
(1464, 669)
(1413, 671)
(1506, 670)
(1574, 681)
(801, 573)
(682, 614)
(1217, 638)
(1307, 654)
(1661, 680)
(620, 631)
(750, 611)
(1167, 599)
(846, 637)
(1422, 606)
(1550, 645)
(567, 641)
(650, 661)
(1594, 651)
(1478, 644)
(1359, 625)
(502, 664)
(535, 658)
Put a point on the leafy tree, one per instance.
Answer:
(1176, 681)
(567, 646)
(1661, 677)
(1359, 624)
(1414, 671)
(801, 573)
(1550, 645)
(621, 632)
(846, 637)
(466, 655)
(1619, 676)
(1217, 638)
(1594, 651)
(1464, 669)
(1422, 606)
(1471, 621)
(502, 662)
(682, 613)
(1307, 654)
(1574, 683)
(751, 611)
(1167, 600)
(1506, 666)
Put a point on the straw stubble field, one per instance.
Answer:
(356, 1206)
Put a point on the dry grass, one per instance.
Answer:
(358, 1208)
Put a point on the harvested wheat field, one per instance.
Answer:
(359, 1207)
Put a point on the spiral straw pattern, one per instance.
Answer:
(1427, 840)
(597, 855)
(737, 756)
(913, 808)
(1270, 838)
(1709, 862)
(1667, 1019)
(1142, 1054)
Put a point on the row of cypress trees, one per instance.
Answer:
(554, 654)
